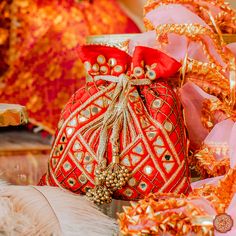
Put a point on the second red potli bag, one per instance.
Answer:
(122, 135)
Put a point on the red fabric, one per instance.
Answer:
(166, 66)
(41, 51)
(131, 27)
(153, 144)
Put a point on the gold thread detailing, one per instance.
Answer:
(209, 77)
(225, 20)
(209, 109)
(157, 214)
(214, 194)
(206, 164)
(153, 4)
(114, 176)
(194, 32)
(178, 214)
(225, 89)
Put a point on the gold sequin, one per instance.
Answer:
(151, 74)
(112, 62)
(101, 59)
(135, 159)
(104, 69)
(73, 122)
(95, 110)
(126, 161)
(82, 118)
(168, 126)
(132, 182)
(95, 67)
(89, 168)
(76, 146)
(87, 65)
(157, 103)
(138, 71)
(118, 69)
(159, 150)
(128, 192)
(151, 135)
(71, 182)
(148, 170)
(79, 156)
(168, 166)
(138, 149)
(87, 158)
(143, 186)
(86, 113)
(66, 166)
(83, 179)
(159, 142)
(69, 131)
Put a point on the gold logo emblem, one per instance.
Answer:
(223, 223)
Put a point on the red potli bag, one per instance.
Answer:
(122, 135)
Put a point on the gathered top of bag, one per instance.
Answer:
(146, 62)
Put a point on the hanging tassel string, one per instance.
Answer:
(110, 178)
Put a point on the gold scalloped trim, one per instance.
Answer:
(225, 19)
(210, 107)
(194, 32)
(205, 163)
(209, 77)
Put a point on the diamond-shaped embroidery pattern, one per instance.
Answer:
(153, 152)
